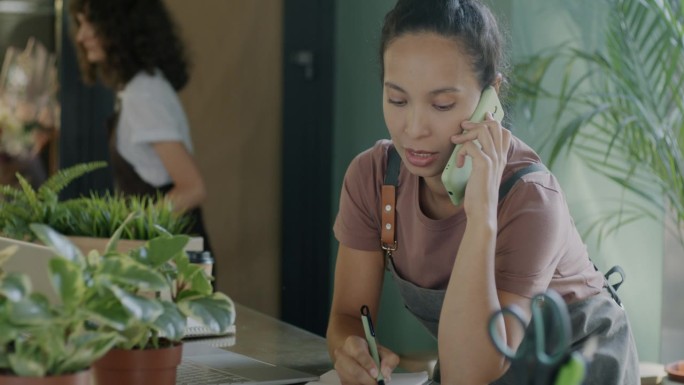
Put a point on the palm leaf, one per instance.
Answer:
(623, 105)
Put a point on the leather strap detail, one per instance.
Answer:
(388, 217)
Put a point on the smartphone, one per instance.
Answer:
(454, 178)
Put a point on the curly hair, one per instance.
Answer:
(137, 35)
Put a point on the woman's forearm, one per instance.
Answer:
(186, 198)
(465, 352)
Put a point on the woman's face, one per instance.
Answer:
(87, 37)
(429, 89)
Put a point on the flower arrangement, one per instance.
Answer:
(16, 139)
(29, 110)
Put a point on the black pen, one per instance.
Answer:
(370, 338)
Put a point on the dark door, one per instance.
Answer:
(307, 131)
(85, 109)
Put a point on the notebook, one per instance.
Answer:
(194, 329)
(201, 363)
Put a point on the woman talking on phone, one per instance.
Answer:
(455, 265)
(132, 46)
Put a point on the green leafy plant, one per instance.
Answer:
(92, 216)
(145, 295)
(100, 216)
(21, 206)
(38, 338)
(622, 107)
(104, 301)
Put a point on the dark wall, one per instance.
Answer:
(83, 136)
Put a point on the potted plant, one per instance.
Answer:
(91, 220)
(145, 295)
(44, 343)
(622, 107)
(23, 205)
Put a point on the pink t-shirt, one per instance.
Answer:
(537, 245)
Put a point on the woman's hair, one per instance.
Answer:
(469, 22)
(137, 35)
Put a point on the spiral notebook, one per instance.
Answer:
(195, 329)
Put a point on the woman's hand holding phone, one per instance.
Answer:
(486, 144)
(458, 168)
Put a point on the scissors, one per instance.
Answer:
(545, 355)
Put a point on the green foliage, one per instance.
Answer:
(19, 207)
(100, 215)
(130, 300)
(42, 339)
(143, 295)
(93, 216)
(622, 107)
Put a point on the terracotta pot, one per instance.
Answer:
(80, 378)
(138, 367)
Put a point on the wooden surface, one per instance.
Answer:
(233, 102)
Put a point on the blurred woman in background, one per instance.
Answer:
(132, 47)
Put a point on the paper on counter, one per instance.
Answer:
(418, 378)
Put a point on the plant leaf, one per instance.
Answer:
(140, 308)
(111, 245)
(86, 348)
(163, 249)
(29, 311)
(64, 177)
(15, 286)
(27, 365)
(8, 333)
(216, 312)
(108, 311)
(58, 242)
(126, 271)
(171, 323)
(67, 279)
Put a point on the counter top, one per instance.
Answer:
(271, 340)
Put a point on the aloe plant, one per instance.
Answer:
(621, 109)
(95, 215)
(100, 215)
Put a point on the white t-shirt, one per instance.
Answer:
(150, 112)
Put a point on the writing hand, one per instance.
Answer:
(355, 366)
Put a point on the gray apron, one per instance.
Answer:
(614, 363)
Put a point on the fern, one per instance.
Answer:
(21, 206)
(57, 182)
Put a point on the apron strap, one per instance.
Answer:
(510, 182)
(389, 198)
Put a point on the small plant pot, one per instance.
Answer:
(138, 367)
(80, 378)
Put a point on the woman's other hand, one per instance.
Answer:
(354, 364)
